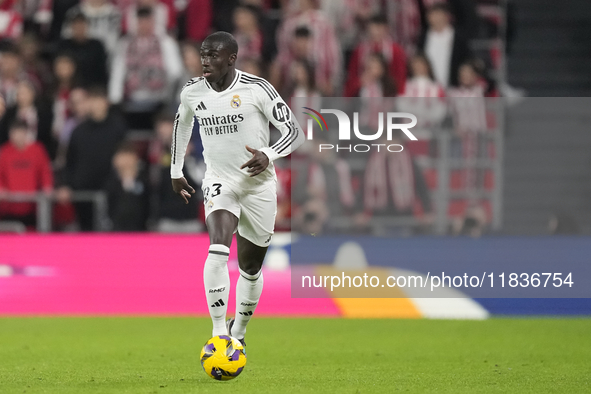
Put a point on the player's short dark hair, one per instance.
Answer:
(378, 19)
(226, 39)
(443, 7)
(144, 12)
(18, 124)
(302, 32)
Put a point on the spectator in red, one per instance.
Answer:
(379, 41)
(247, 34)
(24, 168)
(445, 47)
(198, 19)
(324, 50)
(34, 112)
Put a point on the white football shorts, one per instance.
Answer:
(255, 210)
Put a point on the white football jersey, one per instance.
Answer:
(228, 121)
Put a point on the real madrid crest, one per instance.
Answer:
(235, 103)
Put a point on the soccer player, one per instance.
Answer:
(233, 109)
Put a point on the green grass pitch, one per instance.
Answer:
(161, 355)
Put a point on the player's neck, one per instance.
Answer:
(226, 81)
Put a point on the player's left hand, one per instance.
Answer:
(258, 163)
(182, 188)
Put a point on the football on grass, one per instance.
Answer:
(223, 357)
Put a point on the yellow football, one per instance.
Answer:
(223, 357)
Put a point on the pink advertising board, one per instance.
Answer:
(116, 274)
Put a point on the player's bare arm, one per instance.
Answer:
(258, 163)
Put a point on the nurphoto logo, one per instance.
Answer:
(393, 120)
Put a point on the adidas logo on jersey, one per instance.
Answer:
(218, 303)
(201, 107)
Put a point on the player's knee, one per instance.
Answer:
(220, 239)
(251, 268)
(221, 236)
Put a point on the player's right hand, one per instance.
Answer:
(182, 188)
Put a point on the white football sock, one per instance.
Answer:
(217, 286)
(248, 293)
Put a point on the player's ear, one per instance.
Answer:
(232, 59)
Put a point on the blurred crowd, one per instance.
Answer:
(88, 91)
